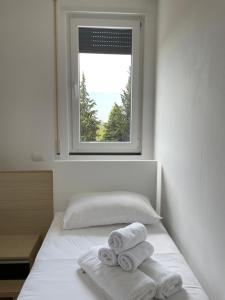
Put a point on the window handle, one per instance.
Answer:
(75, 90)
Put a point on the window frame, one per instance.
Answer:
(68, 84)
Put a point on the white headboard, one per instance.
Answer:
(72, 177)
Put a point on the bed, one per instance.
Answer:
(56, 274)
(26, 198)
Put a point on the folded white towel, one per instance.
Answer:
(168, 283)
(107, 256)
(130, 259)
(116, 283)
(127, 237)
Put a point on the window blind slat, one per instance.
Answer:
(105, 41)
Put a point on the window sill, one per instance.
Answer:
(102, 157)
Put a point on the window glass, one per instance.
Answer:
(105, 57)
(105, 97)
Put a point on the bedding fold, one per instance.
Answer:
(116, 283)
(107, 256)
(168, 282)
(127, 237)
(130, 259)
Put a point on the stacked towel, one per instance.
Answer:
(128, 247)
(144, 277)
(127, 237)
(116, 283)
(107, 256)
(130, 259)
(168, 283)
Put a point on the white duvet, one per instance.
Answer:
(56, 274)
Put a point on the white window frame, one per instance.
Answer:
(68, 84)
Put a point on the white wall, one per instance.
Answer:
(190, 132)
(27, 82)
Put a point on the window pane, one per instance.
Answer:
(105, 97)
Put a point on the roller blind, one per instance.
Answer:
(105, 40)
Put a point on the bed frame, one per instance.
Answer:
(26, 202)
(73, 177)
(26, 197)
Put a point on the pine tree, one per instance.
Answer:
(114, 128)
(126, 108)
(88, 114)
(118, 126)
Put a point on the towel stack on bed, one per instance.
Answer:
(127, 247)
(128, 251)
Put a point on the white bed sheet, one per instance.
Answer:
(56, 274)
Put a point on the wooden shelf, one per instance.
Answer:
(10, 288)
(17, 249)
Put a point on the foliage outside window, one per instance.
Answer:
(116, 128)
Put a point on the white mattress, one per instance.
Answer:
(56, 274)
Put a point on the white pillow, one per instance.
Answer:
(94, 209)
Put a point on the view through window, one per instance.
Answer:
(105, 85)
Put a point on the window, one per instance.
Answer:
(104, 93)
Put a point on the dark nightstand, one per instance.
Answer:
(17, 254)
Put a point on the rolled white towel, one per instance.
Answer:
(130, 259)
(127, 237)
(107, 256)
(168, 283)
(116, 283)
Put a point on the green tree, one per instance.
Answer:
(114, 128)
(126, 108)
(89, 123)
(100, 132)
(118, 126)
